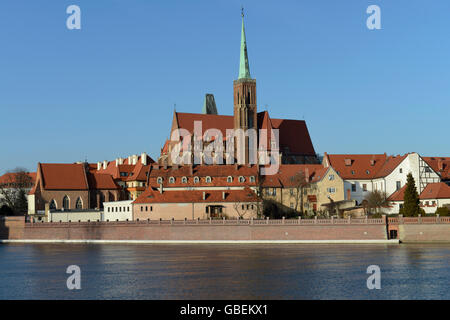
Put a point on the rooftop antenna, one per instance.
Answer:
(175, 107)
(242, 11)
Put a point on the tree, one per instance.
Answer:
(411, 200)
(300, 182)
(375, 200)
(13, 190)
(443, 211)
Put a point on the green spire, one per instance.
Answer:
(244, 70)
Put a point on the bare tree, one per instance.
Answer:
(13, 190)
(375, 200)
(241, 208)
(301, 183)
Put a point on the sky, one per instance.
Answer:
(109, 89)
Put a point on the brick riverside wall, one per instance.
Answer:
(424, 232)
(152, 231)
(12, 227)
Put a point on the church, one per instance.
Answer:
(294, 142)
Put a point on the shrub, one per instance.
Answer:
(443, 211)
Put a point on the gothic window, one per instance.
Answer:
(230, 179)
(171, 180)
(241, 179)
(79, 204)
(208, 179)
(52, 205)
(196, 179)
(159, 180)
(184, 180)
(66, 202)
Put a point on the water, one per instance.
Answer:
(415, 271)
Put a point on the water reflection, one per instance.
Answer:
(224, 271)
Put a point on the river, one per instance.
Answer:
(408, 271)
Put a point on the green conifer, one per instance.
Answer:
(411, 202)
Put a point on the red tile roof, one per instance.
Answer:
(301, 144)
(218, 174)
(438, 190)
(63, 176)
(193, 196)
(10, 177)
(101, 182)
(357, 166)
(286, 173)
(441, 165)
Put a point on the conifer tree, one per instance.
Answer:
(411, 202)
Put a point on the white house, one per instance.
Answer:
(434, 195)
(118, 210)
(363, 173)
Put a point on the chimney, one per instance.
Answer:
(348, 162)
(144, 158)
(440, 165)
(134, 159)
(99, 165)
(204, 195)
(105, 164)
(129, 159)
(120, 160)
(117, 162)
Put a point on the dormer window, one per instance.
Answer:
(353, 172)
(230, 179)
(348, 162)
(184, 180)
(208, 179)
(171, 180)
(252, 179)
(368, 171)
(159, 180)
(196, 179)
(241, 179)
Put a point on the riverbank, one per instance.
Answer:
(383, 230)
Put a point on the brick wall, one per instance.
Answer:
(143, 230)
(424, 232)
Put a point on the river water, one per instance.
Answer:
(408, 271)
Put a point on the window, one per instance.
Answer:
(184, 180)
(208, 179)
(171, 180)
(364, 187)
(353, 187)
(151, 208)
(399, 185)
(142, 208)
(241, 179)
(196, 179)
(146, 208)
(252, 179)
(159, 180)
(331, 177)
(52, 205)
(66, 202)
(331, 190)
(353, 171)
(274, 192)
(401, 170)
(427, 169)
(128, 209)
(291, 191)
(230, 179)
(79, 204)
(368, 171)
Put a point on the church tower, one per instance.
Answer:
(244, 93)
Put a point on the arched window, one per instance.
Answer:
(53, 204)
(159, 180)
(241, 179)
(208, 179)
(66, 202)
(79, 204)
(196, 179)
(184, 180)
(230, 179)
(252, 179)
(171, 180)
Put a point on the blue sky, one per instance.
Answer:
(109, 89)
